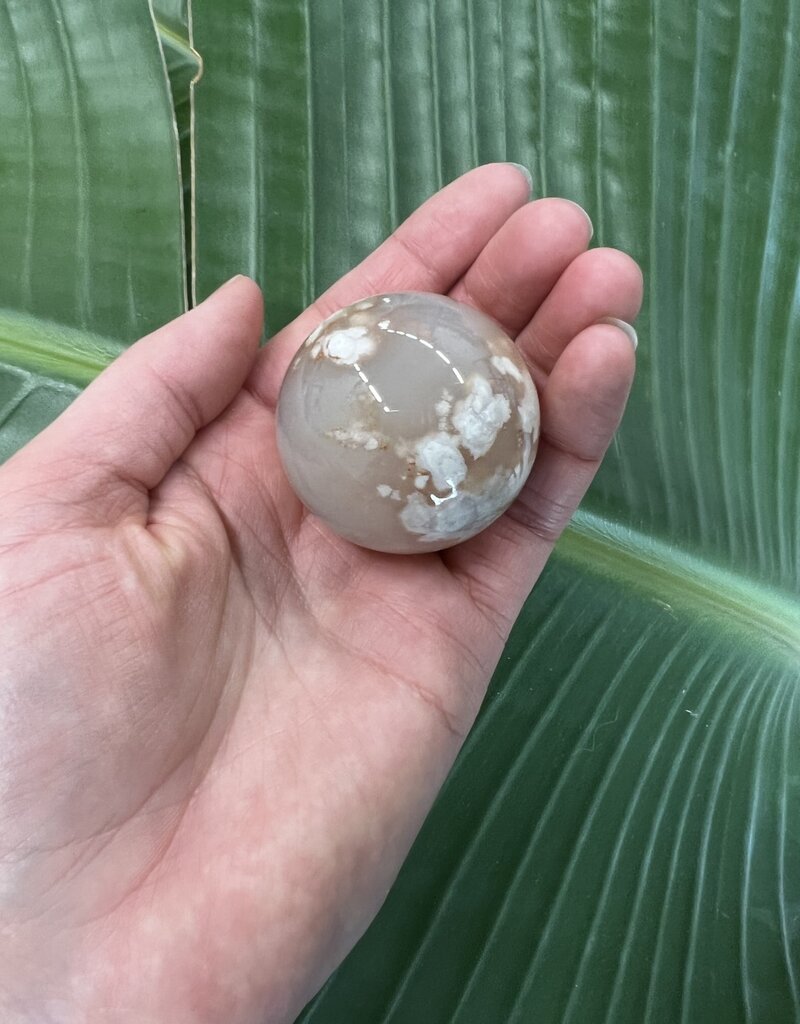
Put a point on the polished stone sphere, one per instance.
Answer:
(408, 422)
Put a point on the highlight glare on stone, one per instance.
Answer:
(408, 422)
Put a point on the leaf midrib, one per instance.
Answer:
(60, 352)
(679, 582)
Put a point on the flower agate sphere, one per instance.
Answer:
(408, 422)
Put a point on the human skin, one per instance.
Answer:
(221, 726)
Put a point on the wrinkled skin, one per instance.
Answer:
(220, 725)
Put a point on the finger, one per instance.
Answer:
(429, 252)
(581, 408)
(523, 260)
(598, 284)
(142, 412)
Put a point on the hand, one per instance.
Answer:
(222, 725)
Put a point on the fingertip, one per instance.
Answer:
(562, 216)
(515, 178)
(237, 282)
(597, 284)
(238, 288)
(616, 265)
(601, 356)
(239, 300)
(512, 179)
(586, 393)
(249, 294)
(627, 329)
(246, 286)
(526, 174)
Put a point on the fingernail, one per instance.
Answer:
(222, 287)
(230, 281)
(586, 215)
(526, 174)
(624, 327)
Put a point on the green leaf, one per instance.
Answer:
(620, 839)
(184, 68)
(90, 216)
(253, 152)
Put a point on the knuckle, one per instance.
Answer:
(540, 515)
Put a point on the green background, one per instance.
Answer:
(620, 839)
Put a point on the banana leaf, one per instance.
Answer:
(620, 838)
(90, 215)
(184, 69)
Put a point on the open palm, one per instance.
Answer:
(222, 725)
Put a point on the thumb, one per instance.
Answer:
(143, 411)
